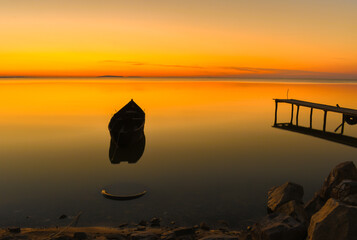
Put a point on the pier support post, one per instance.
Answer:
(311, 110)
(343, 124)
(276, 112)
(297, 115)
(325, 115)
(292, 114)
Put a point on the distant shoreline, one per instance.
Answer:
(183, 79)
(187, 77)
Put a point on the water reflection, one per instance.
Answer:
(126, 129)
(334, 137)
(127, 153)
(202, 163)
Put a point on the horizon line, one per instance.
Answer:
(198, 77)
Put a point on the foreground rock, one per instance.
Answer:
(219, 237)
(344, 189)
(295, 210)
(179, 232)
(334, 221)
(146, 235)
(130, 233)
(343, 171)
(278, 227)
(351, 200)
(287, 192)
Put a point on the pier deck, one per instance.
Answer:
(347, 111)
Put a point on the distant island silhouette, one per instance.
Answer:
(13, 77)
(110, 76)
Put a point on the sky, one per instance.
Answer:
(160, 38)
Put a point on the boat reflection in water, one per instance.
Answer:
(127, 134)
(127, 142)
(130, 153)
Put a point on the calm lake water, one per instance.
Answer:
(211, 152)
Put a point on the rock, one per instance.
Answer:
(343, 171)
(168, 236)
(63, 238)
(350, 200)
(289, 191)
(314, 205)
(181, 231)
(63, 216)
(115, 237)
(80, 235)
(177, 233)
(123, 225)
(219, 237)
(144, 236)
(344, 189)
(245, 235)
(278, 227)
(7, 238)
(155, 222)
(14, 230)
(140, 228)
(295, 210)
(100, 238)
(16, 237)
(143, 223)
(334, 221)
(204, 226)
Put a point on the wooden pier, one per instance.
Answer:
(348, 115)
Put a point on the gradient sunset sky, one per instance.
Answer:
(229, 38)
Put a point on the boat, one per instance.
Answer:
(127, 125)
(122, 197)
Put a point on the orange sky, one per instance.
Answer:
(280, 38)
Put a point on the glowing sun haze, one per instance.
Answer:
(258, 38)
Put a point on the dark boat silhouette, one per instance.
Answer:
(127, 125)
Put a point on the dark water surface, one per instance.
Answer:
(211, 152)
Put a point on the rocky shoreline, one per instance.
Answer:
(330, 215)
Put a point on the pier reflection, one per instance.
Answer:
(333, 137)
